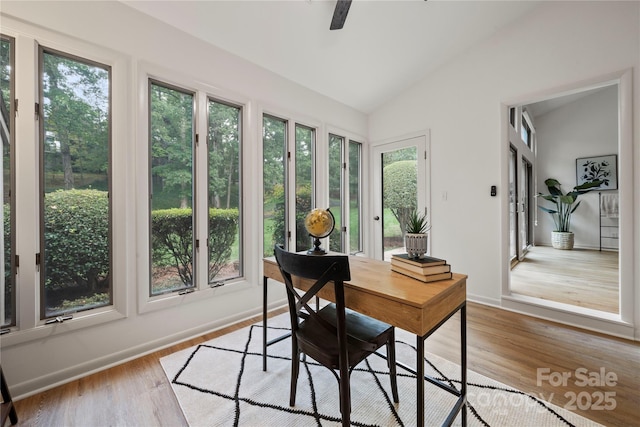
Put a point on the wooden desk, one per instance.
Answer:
(401, 301)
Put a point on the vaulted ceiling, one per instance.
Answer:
(385, 47)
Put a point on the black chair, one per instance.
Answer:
(8, 410)
(333, 336)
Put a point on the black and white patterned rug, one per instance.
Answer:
(221, 383)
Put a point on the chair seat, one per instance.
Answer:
(320, 344)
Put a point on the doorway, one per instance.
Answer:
(559, 131)
(399, 185)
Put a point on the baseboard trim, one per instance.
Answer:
(61, 377)
(604, 323)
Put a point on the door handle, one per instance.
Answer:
(376, 218)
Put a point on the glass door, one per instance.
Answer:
(513, 209)
(526, 172)
(400, 185)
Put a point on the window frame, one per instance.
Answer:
(241, 131)
(291, 122)
(526, 124)
(194, 169)
(346, 141)
(360, 146)
(42, 50)
(29, 326)
(203, 92)
(287, 168)
(12, 188)
(313, 154)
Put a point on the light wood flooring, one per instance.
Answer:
(502, 345)
(584, 278)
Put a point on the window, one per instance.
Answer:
(525, 132)
(355, 197)
(287, 161)
(195, 184)
(345, 197)
(171, 182)
(75, 142)
(7, 289)
(65, 146)
(336, 193)
(274, 148)
(224, 191)
(305, 141)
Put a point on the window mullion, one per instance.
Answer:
(201, 166)
(26, 188)
(290, 185)
(344, 196)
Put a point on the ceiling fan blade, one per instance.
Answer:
(340, 14)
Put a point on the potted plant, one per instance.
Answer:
(565, 204)
(415, 238)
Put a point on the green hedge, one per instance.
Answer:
(76, 228)
(172, 239)
(303, 207)
(400, 191)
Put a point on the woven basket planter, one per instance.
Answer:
(562, 240)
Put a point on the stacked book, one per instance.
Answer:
(425, 269)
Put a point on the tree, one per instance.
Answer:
(399, 190)
(273, 152)
(76, 117)
(172, 143)
(224, 148)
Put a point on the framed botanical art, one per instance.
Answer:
(603, 168)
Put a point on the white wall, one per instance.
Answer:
(586, 127)
(558, 45)
(139, 41)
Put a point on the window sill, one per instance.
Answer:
(149, 304)
(17, 336)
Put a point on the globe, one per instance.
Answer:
(319, 223)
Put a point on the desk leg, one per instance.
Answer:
(463, 361)
(461, 404)
(264, 323)
(420, 380)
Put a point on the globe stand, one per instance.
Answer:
(319, 223)
(316, 250)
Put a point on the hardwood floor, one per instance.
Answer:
(502, 345)
(584, 278)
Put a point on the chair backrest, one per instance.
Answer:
(313, 266)
(321, 268)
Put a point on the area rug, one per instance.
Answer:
(221, 383)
